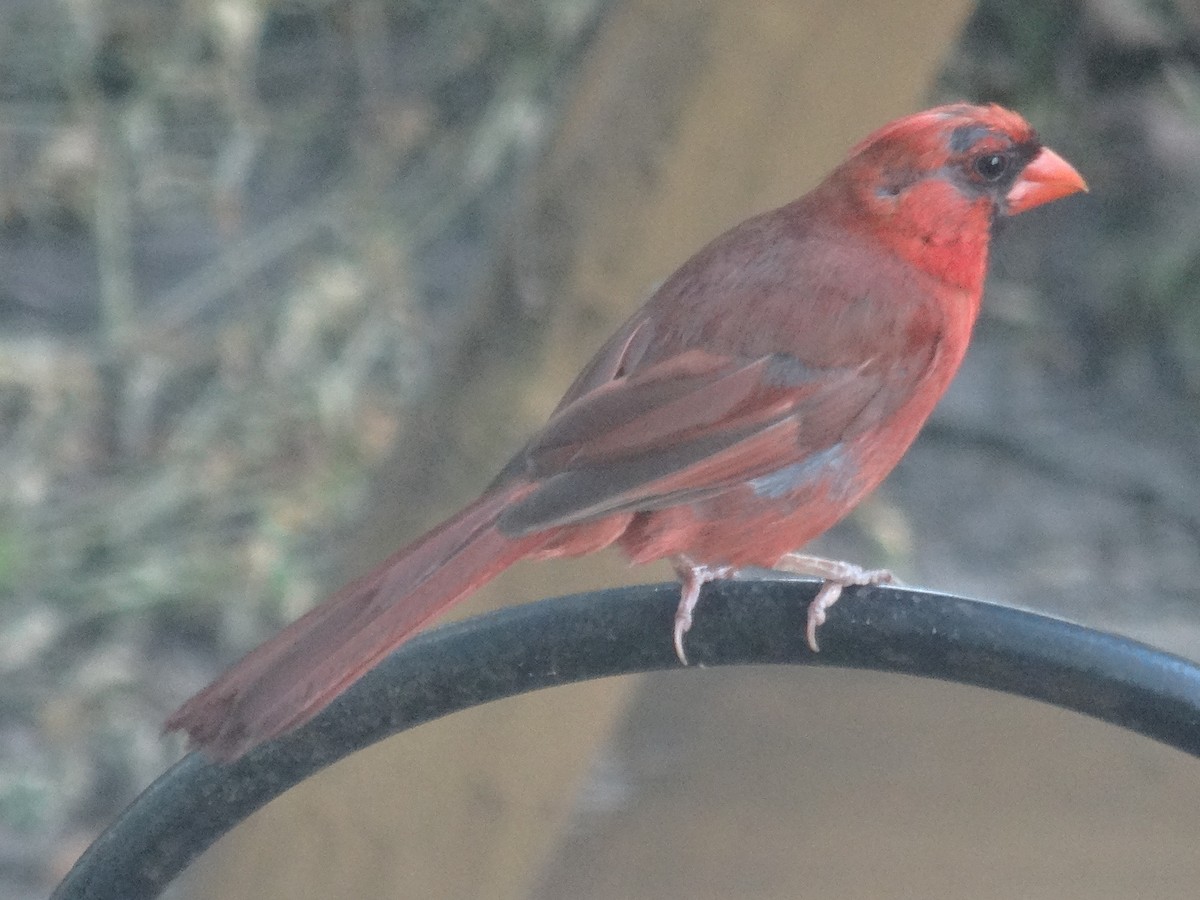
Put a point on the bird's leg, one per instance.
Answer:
(692, 576)
(837, 575)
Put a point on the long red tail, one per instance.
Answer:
(294, 675)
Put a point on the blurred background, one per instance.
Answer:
(281, 283)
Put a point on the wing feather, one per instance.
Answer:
(681, 430)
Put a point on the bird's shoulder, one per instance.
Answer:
(793, 283)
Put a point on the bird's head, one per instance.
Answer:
(987, 153)
(932, 184)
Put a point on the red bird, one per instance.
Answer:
(763, 390)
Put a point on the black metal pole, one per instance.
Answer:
(628, 630)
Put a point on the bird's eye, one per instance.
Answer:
(991, 165)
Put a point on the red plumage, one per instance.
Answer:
(761, 392)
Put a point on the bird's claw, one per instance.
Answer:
(829, 594)
(692, 576)
(836, 576)
(683, 623)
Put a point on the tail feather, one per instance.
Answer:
(294, 675)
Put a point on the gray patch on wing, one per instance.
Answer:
(787, 371)
(831, 465)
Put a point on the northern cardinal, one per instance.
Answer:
(770, 383)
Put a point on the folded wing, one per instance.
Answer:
(685, 428)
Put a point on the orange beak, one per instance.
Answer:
(1047, 177)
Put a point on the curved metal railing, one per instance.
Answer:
(628, 630)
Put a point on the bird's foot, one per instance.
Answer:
(692, 576)
(837, 575)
